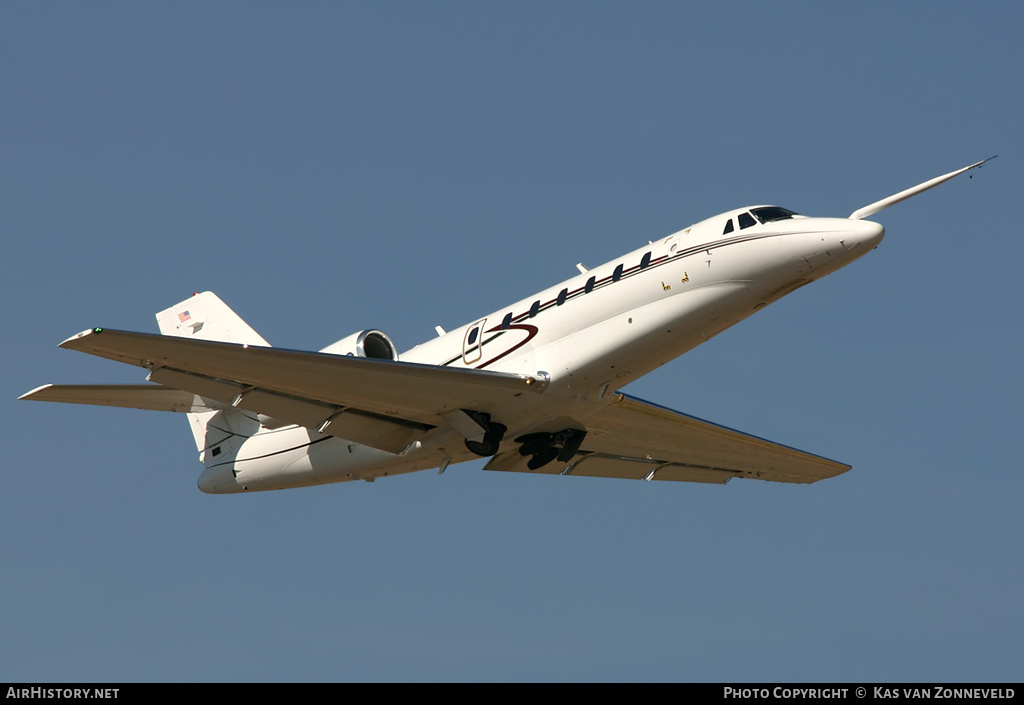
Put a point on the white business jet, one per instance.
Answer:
(533, 386)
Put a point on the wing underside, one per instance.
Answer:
(634, 439)
(379, 403)
(130, 396)
(389, 405)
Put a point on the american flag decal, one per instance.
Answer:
(183, 316)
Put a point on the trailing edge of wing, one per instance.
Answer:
(277, 409)
(634, 439)
(400, 390)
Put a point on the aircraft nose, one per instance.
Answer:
(864, 235)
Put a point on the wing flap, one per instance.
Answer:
(392, 435)
(600, 465)
(384, 433)
(597, 465)
(197, 384)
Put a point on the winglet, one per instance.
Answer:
(903, 195)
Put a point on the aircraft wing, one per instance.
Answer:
(380, 403)
(388, 405)
(634, 439)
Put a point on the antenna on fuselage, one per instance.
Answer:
(861, 213)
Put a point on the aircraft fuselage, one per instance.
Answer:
(584, 337)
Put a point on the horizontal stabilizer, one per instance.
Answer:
(130, 396)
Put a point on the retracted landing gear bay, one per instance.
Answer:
(545, 447)
(493, 433)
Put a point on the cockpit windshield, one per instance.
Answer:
(769, 214)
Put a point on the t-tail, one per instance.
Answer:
(204, 316)
(218, 428)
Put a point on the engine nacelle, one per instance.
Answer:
(365, 343)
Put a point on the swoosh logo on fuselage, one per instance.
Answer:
(514, 320)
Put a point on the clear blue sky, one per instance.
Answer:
(328, 167)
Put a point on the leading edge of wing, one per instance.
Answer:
(405, 390)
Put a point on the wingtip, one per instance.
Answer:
(977, 164)
(69, 343)
(30, 394)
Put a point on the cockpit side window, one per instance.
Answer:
(728, 227)
(770, 214)
(746, 220)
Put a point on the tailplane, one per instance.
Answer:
(218, 428)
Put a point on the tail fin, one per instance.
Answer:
(205, 317)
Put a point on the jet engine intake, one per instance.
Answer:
(366, 343)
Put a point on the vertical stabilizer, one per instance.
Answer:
(205, 317)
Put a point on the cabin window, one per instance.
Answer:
(746, 220)
(617, 274)
(472, 336)
(506, 321)
(590, 285)
(728, 227)
(645, 261)
(535, 309)
(562, 296)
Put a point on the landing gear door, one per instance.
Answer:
(473, 343)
